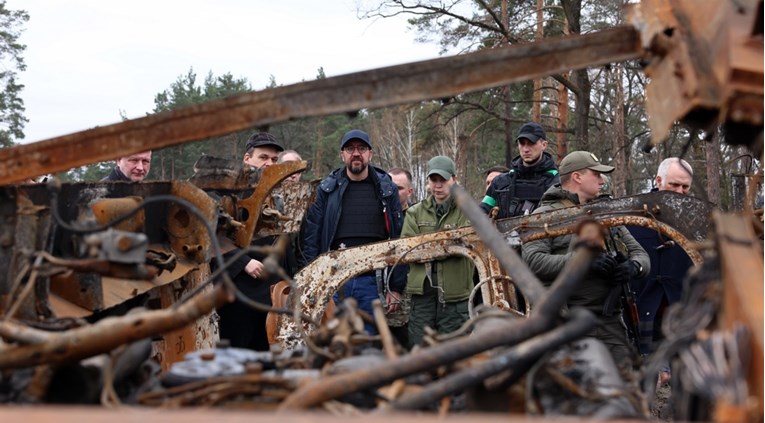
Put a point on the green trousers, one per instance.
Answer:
(428, 311)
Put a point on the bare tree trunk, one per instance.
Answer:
(713, 166)
(619, 143)
(508, 112)
(563, 108)
(562, 120)
(573, 12)
(536, 111)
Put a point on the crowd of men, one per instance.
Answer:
(360, 203)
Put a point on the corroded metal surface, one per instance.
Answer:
(426, 80)
(109, 209)
(705, 62)
(687, 215)
(189, 237)
(251, 207)
(297, 198)
(320, 279)
(740, 251)
(109, 333)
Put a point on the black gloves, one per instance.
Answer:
(625, 271)
(603, 265)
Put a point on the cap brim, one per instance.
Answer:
(442, 173)
(264, 144)
(602, 168)
(357, 139)
(530, 137)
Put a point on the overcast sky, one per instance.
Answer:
(88, 60)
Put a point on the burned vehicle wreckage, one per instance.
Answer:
(78, 258)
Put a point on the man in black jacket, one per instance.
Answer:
(240, 324)
(518, 191)
(356, 205)
(132, 168)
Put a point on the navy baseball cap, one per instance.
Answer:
(355, 134)
(531, 131)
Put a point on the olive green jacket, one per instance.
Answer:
(454, 274)
(546, 257)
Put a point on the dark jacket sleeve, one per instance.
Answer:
(398, 278)
(542, 260)
(238, 266)
(313, 225)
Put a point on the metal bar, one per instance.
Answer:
(522, 277)
(425, 80)
(505, 333)
(687, 215)
(581, 323)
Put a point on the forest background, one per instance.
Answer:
(599, 109)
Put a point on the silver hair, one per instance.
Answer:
(664, 167)
(285, 152)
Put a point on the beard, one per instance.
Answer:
(356, 168)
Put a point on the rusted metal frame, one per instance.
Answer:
(111, 332)
(298, 197)
(425, 80)
(321, 278)
(510, 260)
(534, 233)
(333, 387)
(188, 235)
(30, 228)
(271, 177)
(686, 214)
(501, 293)
(582, 322)
(741, 264)
(509, 332)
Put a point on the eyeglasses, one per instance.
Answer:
(360, 148)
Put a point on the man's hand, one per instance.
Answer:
(254, 268)
(603, 264)
(625, 271)
(393, 299)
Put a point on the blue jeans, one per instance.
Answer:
(364, 290)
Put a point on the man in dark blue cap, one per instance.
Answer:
(356, 205)
(533, 171)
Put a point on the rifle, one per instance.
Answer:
(623, 292)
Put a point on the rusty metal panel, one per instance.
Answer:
(251, 207)
(742, 270)
(704, 61)
(189, 238)
(297, 198)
